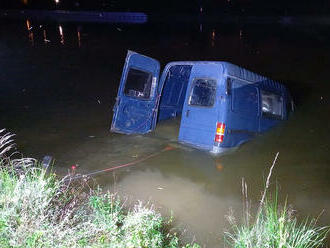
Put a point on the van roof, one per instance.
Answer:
(234, 71)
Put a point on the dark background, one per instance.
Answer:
(210, 7)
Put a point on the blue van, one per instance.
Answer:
(221, 105)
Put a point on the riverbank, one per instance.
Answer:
(38, 209)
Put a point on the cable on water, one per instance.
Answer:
(167, 148)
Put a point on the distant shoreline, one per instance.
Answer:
(141, 17)
(77, 16)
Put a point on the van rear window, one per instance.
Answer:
(271, 104)
(138, 84)
(203, 92)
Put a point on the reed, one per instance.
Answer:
(274, 226)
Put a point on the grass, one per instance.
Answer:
(276, 227)
(273, 226)
(37, 209)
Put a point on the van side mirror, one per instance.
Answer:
(228, 86)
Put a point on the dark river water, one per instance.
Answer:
(59, 83)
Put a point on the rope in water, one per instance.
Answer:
(168, 148)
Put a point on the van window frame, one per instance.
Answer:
(268, 115)
(152, 91)
(192, 87)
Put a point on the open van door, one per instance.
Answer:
(135, 110)
(201, 107)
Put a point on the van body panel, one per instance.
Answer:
(242, 114)
(137, 98)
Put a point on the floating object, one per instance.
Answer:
(221, 105)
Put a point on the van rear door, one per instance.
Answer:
(136, 104)
(200, 110)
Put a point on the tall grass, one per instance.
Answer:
(276, 227)
(37, 209)
(273, 226)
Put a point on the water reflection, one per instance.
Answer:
(65, 31)
(213, 38)
(45, 36)
(60, 30)
(44, 32)
(79, 39)
(28, 25)
(30, 33)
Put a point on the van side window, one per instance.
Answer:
(271, 105)
(203, 92)
(244, 98)
(138, 84)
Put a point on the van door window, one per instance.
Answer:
(203, 92)
(271, 104)
(138, 84)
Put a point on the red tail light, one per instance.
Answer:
(220, 132)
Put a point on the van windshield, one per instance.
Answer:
(138, 84)
(203, 92)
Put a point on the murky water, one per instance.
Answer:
(58, 86)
